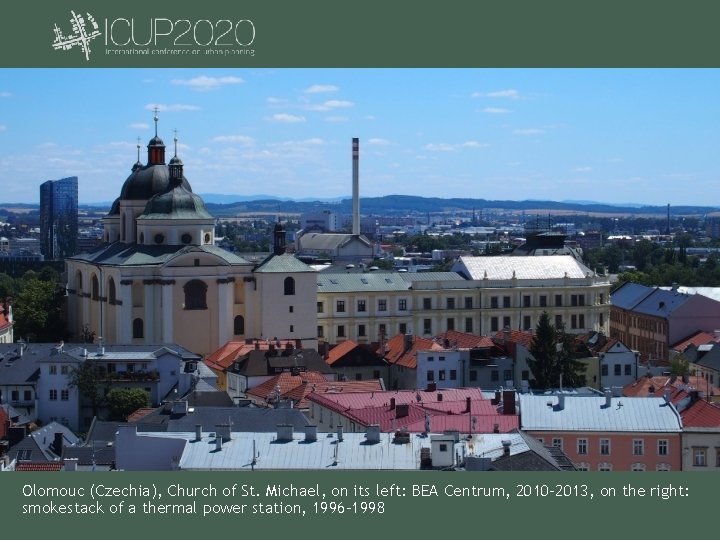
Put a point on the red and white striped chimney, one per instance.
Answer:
(356, 186)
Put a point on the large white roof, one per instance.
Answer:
(591, 413)
(522, 268)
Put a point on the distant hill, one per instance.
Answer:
(227, 205)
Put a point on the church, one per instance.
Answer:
(159, 277)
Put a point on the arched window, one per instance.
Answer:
(195, 294)
(138, 329)
(78, 282)
(95, 288)
(289, 286)
(239, 325)
(112, 294)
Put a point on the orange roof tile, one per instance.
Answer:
(697, 339)
(396, 351)
(660, 383)
(340, 350)
(297, 387)
(464, 340)
(516, 336)
(140, 413)
(701, 414)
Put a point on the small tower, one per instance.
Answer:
(156, 147)
(175, 167)
(279, 239)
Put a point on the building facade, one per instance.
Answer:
(59, 217)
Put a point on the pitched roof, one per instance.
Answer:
(359, 282)
(226, 355)
(659, 384)
(590, 413)
(520, 337)
(297, 387)
(402, 349)
(446, 410)
(463, 340)
(283, 264)
(257, 363)
(350, 354)
(119, 254)
(701, 414)
(521, 267)
(329, 241)
(696, 339)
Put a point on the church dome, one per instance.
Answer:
(147, 182)
(177, 202)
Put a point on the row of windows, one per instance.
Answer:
(15, 396)
(64, 369)
(604, 447)
(441, 375)
(700, 456)
(635, 467)
(64, 394)
(617, 369)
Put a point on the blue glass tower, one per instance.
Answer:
(59, 218)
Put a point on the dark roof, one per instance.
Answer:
(97, 453)
(21, 370)
(175, 203)
(648, 300)
(120, 254)
(350, 354)
(270, 362)
(150, 180)
(39, 446)
(242, 419)
(537, 458)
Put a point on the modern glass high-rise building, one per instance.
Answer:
(59, 217)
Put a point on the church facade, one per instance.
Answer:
(160, 278)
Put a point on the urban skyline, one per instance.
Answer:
(607, 135)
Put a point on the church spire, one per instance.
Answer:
(175, 166)
(137, 165)
(156, 147)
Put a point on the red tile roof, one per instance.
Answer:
(697, 339)
(226, 355)
(140, 413)
(660, 383)
(448, 412)
(340, 350)
(463, 340)
(29, 466)
(297, 387)
(701, 414)
(397, 352)
(515, 336)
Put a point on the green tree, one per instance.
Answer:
(38, 311)
(124, 401)
(680, 366)
(553, 357)
(87, 379)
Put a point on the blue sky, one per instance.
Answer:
(618, 136)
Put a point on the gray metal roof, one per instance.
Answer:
(431, 276)
(507, 267)
(590, 413)
(628, 295)
(283, 264)
(329, 241)
(119, 254)
(354, 282)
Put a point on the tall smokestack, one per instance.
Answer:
(356, 186)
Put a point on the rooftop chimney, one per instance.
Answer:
(284, 432)
(402, 410)
(608, 397)
(310, 433)
(58, 444)
(508, 401)
(506, 447)
(339, 433)
(392, 403)
(356, 186)
(373, 434)
(223, 431)
(561, 402)
(198, 432)
(468, 403)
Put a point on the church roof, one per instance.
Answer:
(176, 203)
(119, 254)
(285, 263)
(148, 181)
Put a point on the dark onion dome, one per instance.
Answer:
(156, 141)
(177, 202)
(147, 182)
(115, 208)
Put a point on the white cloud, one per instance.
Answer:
(581, 169)
(241, 139)
(330, 105)
(5, 94)
(276, 101)
(442, 147)
(446, 147)
(139, 125)
(204, 83)
(285, 118)
(509, 93)
(370, 117)
(495, 110)
(321, 88)
(379, 142)
(336, 119)
(529, 131)
(177, 107)
(3, 128)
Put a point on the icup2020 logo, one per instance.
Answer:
(84, 30)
